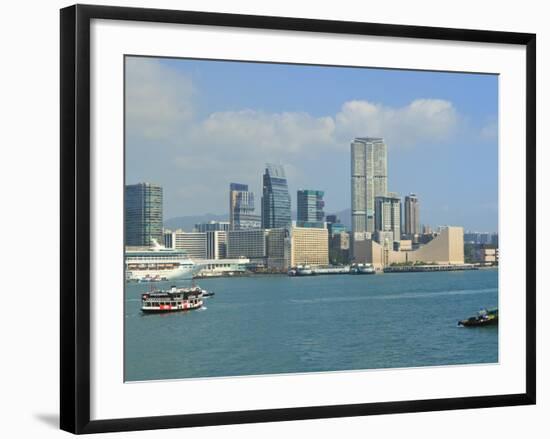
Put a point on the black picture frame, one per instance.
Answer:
(75, 217)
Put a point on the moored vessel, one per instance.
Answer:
(158, 263)
(303, 270)
(362, 269)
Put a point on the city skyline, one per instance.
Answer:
(311, 139)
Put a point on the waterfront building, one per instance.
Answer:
(427, 237)
(369, 179)
(310, 208)
(250, 243)
(212, 226)
(388, 215)
(194, 243)
(447, 248)
(487, 254)
(339, 245)
(142, 214)
(278, 249)
(216, 244)
(309, 246)
(241, 208)
(412, 216)
(221, 267)
(275, 199)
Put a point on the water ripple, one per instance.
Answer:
(405, 295)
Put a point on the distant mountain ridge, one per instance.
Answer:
(187, 223)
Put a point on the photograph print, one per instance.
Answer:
(291, 218)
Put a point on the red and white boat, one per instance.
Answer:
(174, 299)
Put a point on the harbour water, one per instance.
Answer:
(278, 324)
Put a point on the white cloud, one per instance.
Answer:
(423, 121)
(160, 107)
(265, 132)
(158, 99)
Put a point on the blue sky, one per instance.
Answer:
(195, 126)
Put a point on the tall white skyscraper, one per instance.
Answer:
(369, 179)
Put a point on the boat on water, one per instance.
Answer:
(304, 270)
(174, 299)
(484, 317)
(158, 263)
(362, 269)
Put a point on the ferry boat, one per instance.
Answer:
(158, 263)
(331, 269)
(303, 270)
(174, 299)
(484, 317)
(362, 269)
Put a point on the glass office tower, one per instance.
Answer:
(275, 199)
(143, 214)
(310, 208)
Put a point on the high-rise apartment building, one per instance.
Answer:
(310, 208)
(142, 214)
(275, 199)
(411, 224)
(241, 208)
(388, 215)
(369, 179)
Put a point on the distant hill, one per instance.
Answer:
(187, 223)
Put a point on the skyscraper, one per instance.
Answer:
(369, 179)
(310, 208)
(275, 199)
(412, 215)
(388, 216)
(241, 208)
(143, 214)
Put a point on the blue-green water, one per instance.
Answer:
(279, 324)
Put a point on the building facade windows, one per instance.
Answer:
(143, 214)
(275, 199)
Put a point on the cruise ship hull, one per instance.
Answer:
(158, 263)
(180, 273)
